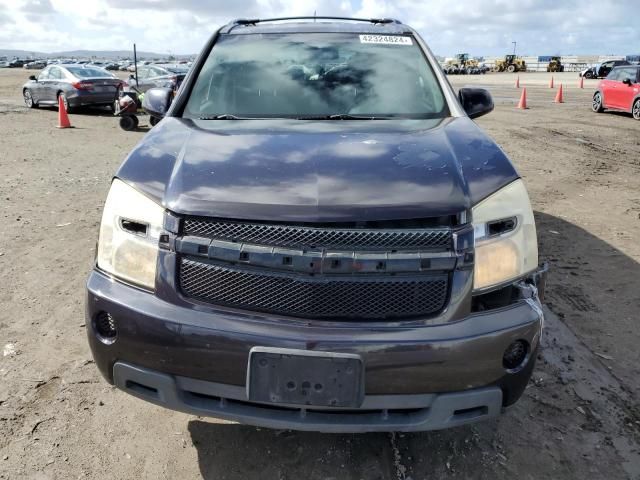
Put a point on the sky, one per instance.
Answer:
(479, 27)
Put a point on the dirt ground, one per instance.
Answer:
(579, 418)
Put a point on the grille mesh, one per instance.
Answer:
(306, 237)
(322, 297)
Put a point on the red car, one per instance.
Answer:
(619, 91)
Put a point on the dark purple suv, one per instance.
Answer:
(317, 236)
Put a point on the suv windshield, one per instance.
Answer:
(304, 75)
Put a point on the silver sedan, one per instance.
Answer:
(76, 85)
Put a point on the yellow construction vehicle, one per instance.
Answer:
(462, 64)
(510, 64)
(555, 65)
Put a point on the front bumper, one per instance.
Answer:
(377, 413)
(417, 377)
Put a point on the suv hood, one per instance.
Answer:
(317, 171)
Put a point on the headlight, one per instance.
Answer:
(505, 237)
(129, 234)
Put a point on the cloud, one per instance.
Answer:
(37, 10)
(4, 15)
(38, 7)
(480, 27)
(202, 7)
(538, 26)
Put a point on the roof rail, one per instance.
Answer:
(255, 21)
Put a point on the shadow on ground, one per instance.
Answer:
(96, 111)
(593, 441)
(240, 452)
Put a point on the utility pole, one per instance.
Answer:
(135, 63)
(514, 47)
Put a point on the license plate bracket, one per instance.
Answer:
(306, 378)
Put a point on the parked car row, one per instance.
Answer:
(131, 67)
(35, 65)
(106, 65)
(17, 63)
(122, 65)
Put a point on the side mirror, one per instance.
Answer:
(157, 101)
(33, 77)
(627, 81)
(475, 101)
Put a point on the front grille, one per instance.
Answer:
(326, 297)
(292, 236)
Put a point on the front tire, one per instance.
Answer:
(28, 99)
(596, 104)
(511, 68)
(128, 122)
(635, 111)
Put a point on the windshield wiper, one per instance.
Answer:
(337, 116)
(342, 116)
(225, 116)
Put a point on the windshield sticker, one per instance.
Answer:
(386, 39)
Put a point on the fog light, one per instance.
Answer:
(515, 355)
(106, 327)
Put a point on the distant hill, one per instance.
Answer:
(101, 54)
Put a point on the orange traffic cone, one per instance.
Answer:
(551, 82)
(559, 98)
(522, 105)
(63, 118)
(518, 81)
(581, 82)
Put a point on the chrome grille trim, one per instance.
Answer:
(292, 236)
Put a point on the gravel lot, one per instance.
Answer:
(579, 418)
